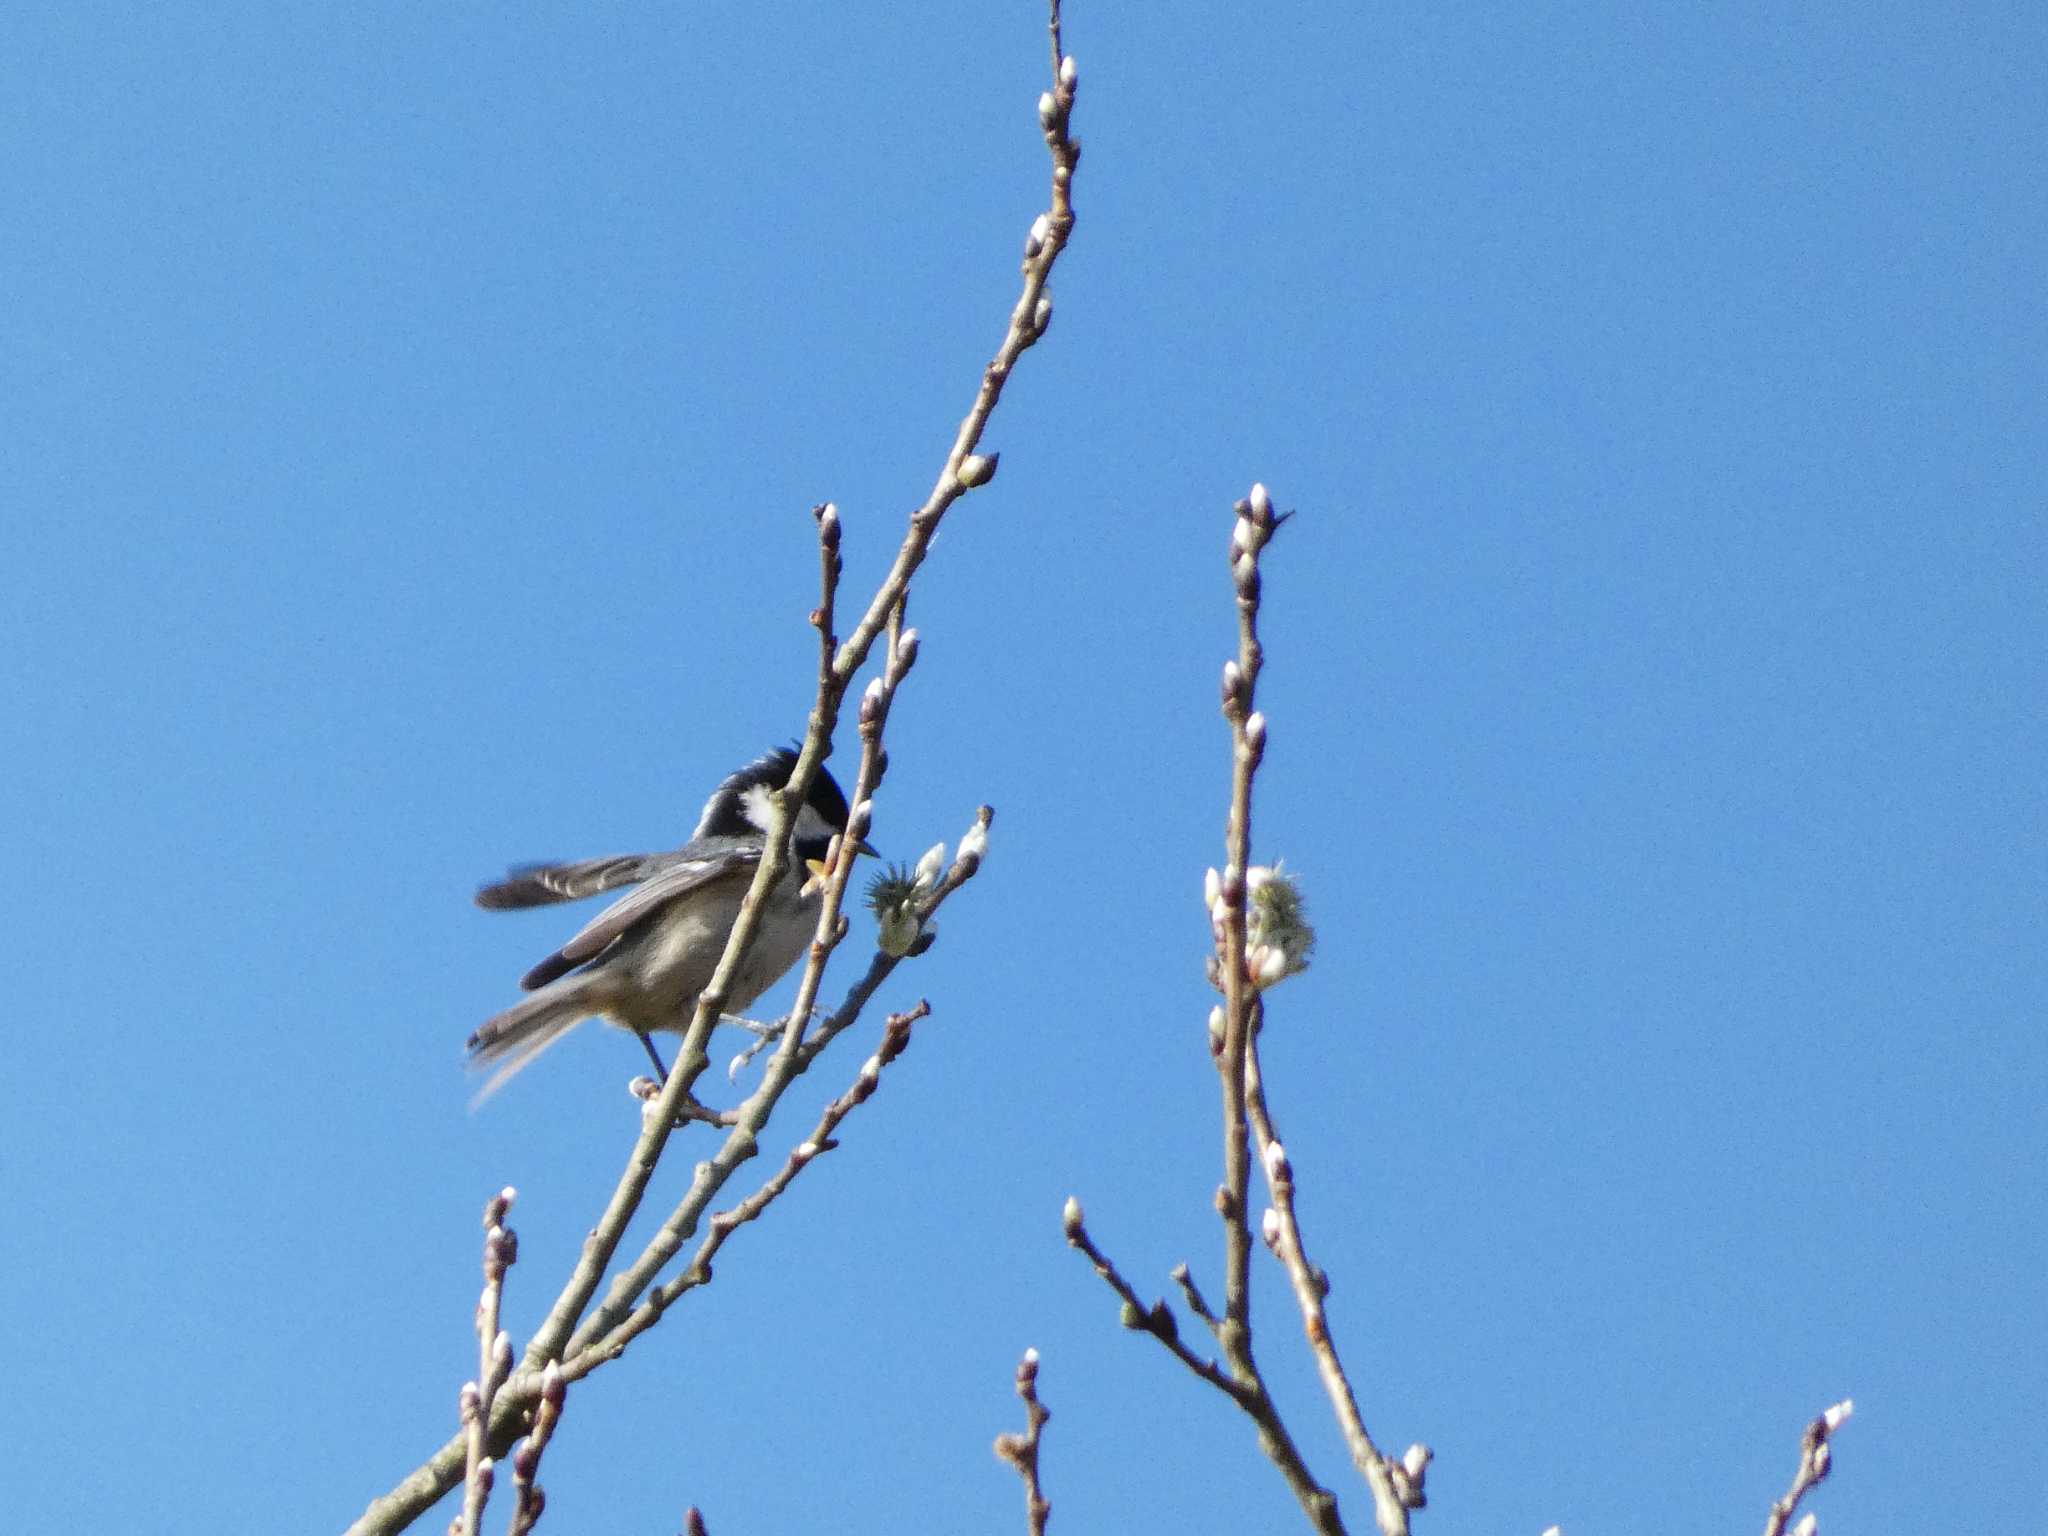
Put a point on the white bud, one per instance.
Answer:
(974, 841)
(736, 1066)
(1269, 1227)
(871, 696)
(1241, 536)
(508, 1194)
(1031, 1357)
(805, 1151)
(1270, 966)
(1233, 678)
(859, 819)
(871, 1071)
(1276, 1161)
(1212, 887)
(1262, 504)
(1041, 315)
(1258, 875)
(1219, 912)
(1041, 228)
(1255, 731)
(1838, 1415)
(978, 469)
(1553, 1530)
(1808, 1524)
(930, 866)
(1217, 1022)
(1415, 1460)
(1069, 75)
(1823, 1458)
(1048, 111)
(906, 649)
(1070, 1215)
(1243, 569)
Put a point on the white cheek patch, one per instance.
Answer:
(757, 804)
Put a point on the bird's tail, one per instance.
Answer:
(516, 1037)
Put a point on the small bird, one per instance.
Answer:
(642, 961)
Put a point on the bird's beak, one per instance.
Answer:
(868, 848)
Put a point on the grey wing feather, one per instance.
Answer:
(680, 875)
(539, 885)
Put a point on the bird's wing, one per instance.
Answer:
(678, 875)
(540, 885)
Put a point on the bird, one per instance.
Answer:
(643, 960)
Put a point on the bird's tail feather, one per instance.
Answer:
(511, 1040)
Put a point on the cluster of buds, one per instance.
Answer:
(1055, 105)
(533, 1499)
(1253, 530)
(1278, 937)
(501, 1243)
(901, 899)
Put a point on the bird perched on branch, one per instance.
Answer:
(641, 962)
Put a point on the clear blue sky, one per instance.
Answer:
(408, 416)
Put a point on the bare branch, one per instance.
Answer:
(570, 1324)
(1246, 1389)
(1397, 1486)
(554, 1392)
(1021, 1451)
(613, 1342)
(494, 1361)
(1157, 1319)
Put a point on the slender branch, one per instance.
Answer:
(1021, 1451)
(494, 1361)
(1396, 1486)
(1815, 1459)
(740, 1144)
(1157, 1319)
(1247, 1391)
(1253, 528)
(613, 1342)
(554, 1392)
(964, 470)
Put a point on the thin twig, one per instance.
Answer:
(1247, 1391)
(494, 1361)
(1254, 526)
(613, 1342)
(1397, 1487)
(1197, 1302)
(554, 1392)
(709, 1177)
(1021, 1451)
(1815, 1459)
(1157, 1319)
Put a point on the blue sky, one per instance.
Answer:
(411, 416)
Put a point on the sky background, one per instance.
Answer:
(409, 416)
